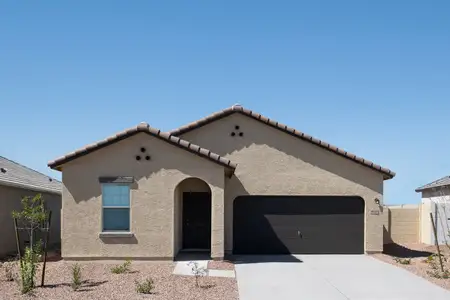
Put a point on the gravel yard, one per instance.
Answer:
(100, 283)
(418, 254)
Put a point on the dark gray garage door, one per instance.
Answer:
(298, 225)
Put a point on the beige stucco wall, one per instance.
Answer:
(271, 162)
(154, 212)
(10, 198)
(402, 224)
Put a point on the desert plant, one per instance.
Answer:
(123, 268)
(32, 216)
(197, 272)
(403, 261)
(145, 287)
(28, 268)
(76, 277)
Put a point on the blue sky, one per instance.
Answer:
(372, 77)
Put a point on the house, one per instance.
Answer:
(435, 200)
(16, 182)
(235, 182)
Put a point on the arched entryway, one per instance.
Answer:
(192, 216)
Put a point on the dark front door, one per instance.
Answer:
(197, 221)
(298, 225)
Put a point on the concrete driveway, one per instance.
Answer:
(330, 277)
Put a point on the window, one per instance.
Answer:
(116, 207)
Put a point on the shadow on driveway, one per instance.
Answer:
(254, 259)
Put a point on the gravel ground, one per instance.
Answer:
(220, 265)
(418, 253)
(100, 283)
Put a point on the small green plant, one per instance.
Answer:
(403, 261)
(28, 268)
(123, 268)
(145, 287)
(76, 277)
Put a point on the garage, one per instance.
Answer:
(298, 225)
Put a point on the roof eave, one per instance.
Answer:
(58, 163)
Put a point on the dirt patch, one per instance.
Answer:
(100, 283)
(417, 254)
(220, 265)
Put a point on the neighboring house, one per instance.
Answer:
(252, 186)
(435, 200)
(16, 182)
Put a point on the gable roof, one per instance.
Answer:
(444, 181)
(17, 175)
(388, 174)
(145, 128)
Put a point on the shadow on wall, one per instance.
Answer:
(404, 252)
(125, 162)
(121, 240)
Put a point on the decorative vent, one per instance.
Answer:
(139, 157)
(236, 131)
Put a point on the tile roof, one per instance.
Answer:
(15, 174)
(145, 128)
(388, 174)
(444, 181)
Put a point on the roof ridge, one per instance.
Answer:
(19, 164)
(275, 124)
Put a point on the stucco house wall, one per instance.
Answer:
(154, 200)
(271, 162)
(10, 199)
(435, 200)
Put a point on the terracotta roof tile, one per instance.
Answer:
(388, 174)
(145, 128)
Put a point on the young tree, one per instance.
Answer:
(32, 218)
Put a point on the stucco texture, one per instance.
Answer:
(271, 162)
(155, 217)
(10, 199)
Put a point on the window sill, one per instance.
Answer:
(116, 234)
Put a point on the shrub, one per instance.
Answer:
(145, 287)
(28, 267)
(123, 268)
(403, 261)
(76, 277)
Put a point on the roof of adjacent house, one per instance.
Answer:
(17, 175)
(444, 181)
(145, 128)
(388, 174)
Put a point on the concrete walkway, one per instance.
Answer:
(185, 268)
(330, 277)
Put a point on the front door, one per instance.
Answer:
(197, 221)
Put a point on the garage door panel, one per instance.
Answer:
(298, 224)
